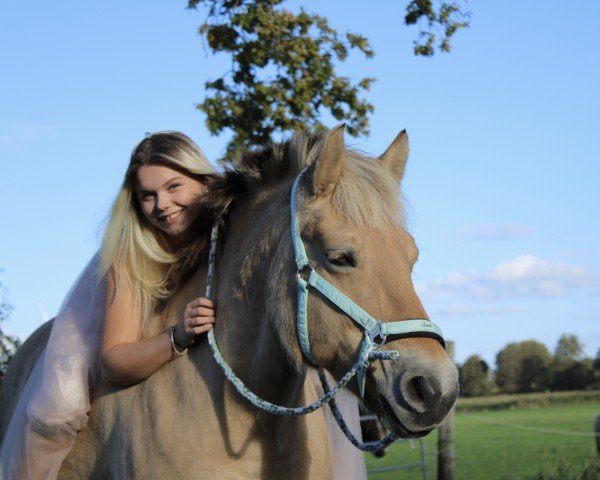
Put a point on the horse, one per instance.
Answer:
(186, 420)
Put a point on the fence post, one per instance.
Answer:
(597, 433)
(445, 466)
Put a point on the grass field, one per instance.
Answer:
(505, 444)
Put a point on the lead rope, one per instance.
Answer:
(212, 256)
(365, 447)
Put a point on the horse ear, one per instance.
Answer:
(396, 155)
(330, 165)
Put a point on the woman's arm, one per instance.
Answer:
(126, 358)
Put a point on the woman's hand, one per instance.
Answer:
(198, 317)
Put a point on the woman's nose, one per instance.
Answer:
(162, 202)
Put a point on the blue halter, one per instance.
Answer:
(370, 348)
(373, 329)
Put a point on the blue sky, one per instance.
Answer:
(502, 181)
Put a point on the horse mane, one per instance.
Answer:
(367, 194)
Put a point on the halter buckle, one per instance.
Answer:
(376, 333)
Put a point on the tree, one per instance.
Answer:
(523, 367)
(8, 343)
(535, 374)
(568, 349)
(474, 379)
(596, 372)
(570, 371)
(283, 66)
(577, 375)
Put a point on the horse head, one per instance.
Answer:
(351, 224)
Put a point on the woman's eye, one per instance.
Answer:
(174, 186)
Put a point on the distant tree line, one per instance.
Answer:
(8, 343)
(528, 366)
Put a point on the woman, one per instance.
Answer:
(154, 221)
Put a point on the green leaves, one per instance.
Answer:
(474, 377)
(447, 17)
(283, 74)
(283, 67)
(523, 367)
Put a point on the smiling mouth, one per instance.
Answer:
(170, 218)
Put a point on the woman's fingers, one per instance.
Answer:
(198, 317)
(201, 321)
(201, 302)
(204, 321)
(201, 312)
(202, 329)
(194, 317)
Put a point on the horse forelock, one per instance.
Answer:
(367, 194)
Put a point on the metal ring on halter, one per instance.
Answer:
(376, 333)
(308, 267)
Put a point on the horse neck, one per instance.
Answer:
(255, 327)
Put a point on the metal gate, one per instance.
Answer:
(400, 466)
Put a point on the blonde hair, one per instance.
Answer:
(134, 250)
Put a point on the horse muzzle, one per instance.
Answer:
(415, 400)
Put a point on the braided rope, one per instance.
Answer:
(365, 447)
(212, 257)
(278, 409)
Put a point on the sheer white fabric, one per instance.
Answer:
(54, 404)
(348, 461)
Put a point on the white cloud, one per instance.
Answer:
(524, 276)
(528, 275)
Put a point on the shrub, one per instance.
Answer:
(564, 471)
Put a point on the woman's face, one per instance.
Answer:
(168, 198)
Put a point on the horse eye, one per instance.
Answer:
(343, 259)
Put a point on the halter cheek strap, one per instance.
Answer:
(373, 329)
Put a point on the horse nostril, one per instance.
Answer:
(420, 393)
(423, 388)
